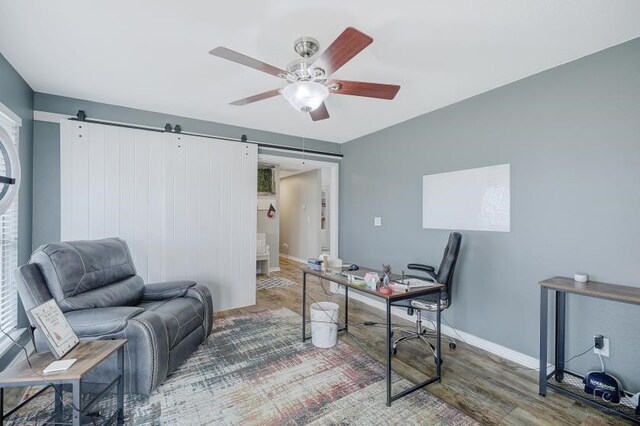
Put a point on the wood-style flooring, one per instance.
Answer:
(491, 390)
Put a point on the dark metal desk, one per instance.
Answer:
(396, 296)
(555, 380)
(89, 355)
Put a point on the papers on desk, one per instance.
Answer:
(61, 365)
(410, 283)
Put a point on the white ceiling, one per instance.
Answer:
(153, 55)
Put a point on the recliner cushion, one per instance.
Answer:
(77, 267)
(181, 316)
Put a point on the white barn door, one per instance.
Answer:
(186, 205)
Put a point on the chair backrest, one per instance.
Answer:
(86, 274)
(448, 264)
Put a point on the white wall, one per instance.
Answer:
(325, 234)
(300, 214)
(271, 226)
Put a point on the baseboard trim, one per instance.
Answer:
(486, 345)
(295, 259)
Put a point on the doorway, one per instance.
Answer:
(297, 215)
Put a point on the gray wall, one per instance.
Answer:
(271, 225)
(46, 155)
(46, 183)
(572, 137)
(300, 214)
(16, 95)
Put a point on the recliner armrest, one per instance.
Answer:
(166, 290)
(101, 321)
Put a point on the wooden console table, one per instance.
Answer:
(89, 355)
(560, 379)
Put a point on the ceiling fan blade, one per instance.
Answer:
(360, 88)
(320, 113)
(346, 46)
(256, 98)
(231, 55)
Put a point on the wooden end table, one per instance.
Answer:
(89, 355)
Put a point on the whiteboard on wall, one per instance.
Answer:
(474, 199)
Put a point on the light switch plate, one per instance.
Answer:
(377, 221)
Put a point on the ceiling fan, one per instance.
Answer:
(308, 79)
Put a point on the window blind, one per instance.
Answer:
(8, 245)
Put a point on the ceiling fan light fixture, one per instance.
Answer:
(305, 96)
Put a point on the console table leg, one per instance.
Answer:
(560, 326)
(544, 308)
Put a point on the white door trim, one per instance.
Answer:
(12, 115)
(333, 198)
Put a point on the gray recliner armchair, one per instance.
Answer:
(96, 286)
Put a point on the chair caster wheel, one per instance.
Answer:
(435, 359)
(395, 351)
(452, 346)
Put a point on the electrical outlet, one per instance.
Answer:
(603, 342)
(598, 341)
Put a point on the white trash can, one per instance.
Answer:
(324, 324)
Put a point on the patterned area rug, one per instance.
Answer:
(254, 370)
(264, 282)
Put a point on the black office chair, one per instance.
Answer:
(443, 276)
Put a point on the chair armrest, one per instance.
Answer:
(166, 290)
(101, 321)
(421, 277)
(429, 270)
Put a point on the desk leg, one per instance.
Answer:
(544, 308)
(120, 386)
(389, 337)
(304, 306)
(58, 402)
(1, 406)
(76, 386)
(560, 326)
(438, 340)
(346, 309)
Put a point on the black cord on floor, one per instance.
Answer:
(503, 363)
(471, 347)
